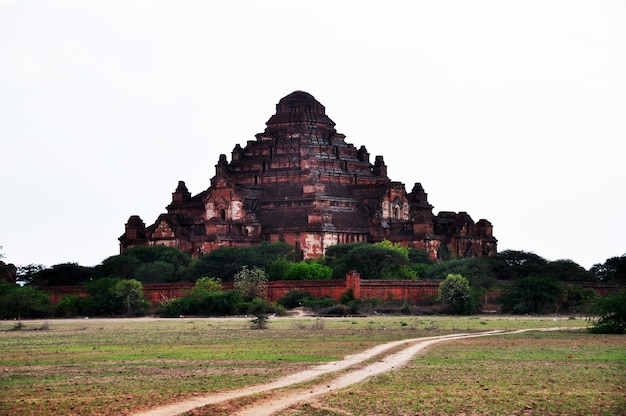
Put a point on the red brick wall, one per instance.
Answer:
(409, 290)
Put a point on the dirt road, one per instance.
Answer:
(406, 350)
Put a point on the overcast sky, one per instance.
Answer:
(514, 111)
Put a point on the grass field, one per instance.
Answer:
(111, 367)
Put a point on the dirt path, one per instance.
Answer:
(407, 349)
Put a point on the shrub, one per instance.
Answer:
(294, 298)
(23, 302)
(308, 271)
(456, 292)
(610, 312)
(70, 306)
(532, 295)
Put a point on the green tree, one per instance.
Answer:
(225, 262)
(150, 254)
(512, 264)
(335, 258)
(609, 314)
(532, 294)
(308, 271)
(613, 269)
(261, 309)
(208, 284)
(122, 266)
(156, 272)
(251, 283)
(456, 292)
(70, 306)
(25, 274)
(130, 292)
(402, 250)
(64, 274)
(23, 302)
(568, 271)
(101, 301)
(375, 261)
(278, 268)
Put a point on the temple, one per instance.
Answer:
(300, 182)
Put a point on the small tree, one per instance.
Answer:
(260, 308)
(23, 302)
(532, 294)
(252, 283)
(308, 271)
(130, 292)
(610, 312)
(455, 291)
(208, 284)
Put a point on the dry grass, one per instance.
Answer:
(111, 367)
(557, 373)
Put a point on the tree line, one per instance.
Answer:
(532, 283)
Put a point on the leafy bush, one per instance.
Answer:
(23, 302)
(71, 306)
(456, 292)
(308, 271)
(610, 312)
(532, 295)
(130, 293)
(251, 283)
(201, 302)
(296, 298)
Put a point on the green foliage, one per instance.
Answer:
(122, 266)
(532, 295)
(347, 297)
(456, 292)
(402, 250)
(260, 308)
(130, 293)
(375, 261)
(297, 298)
(278, 268)
(577, 299)
(610, 312)
(208, 285)
(26, 273)
(294, 299)
(568, 271)
(384, 260)
(64, 274)
(156, 272)
(475, 270)
(202, 302)
(613, 269)
(102, 302)
(308, 271)
(150, 254)
(251, 283)
(418, 256)
(335, 258)
(148, 264)
(23, 302)
(225, 262)
(512, 265)
(71, 306)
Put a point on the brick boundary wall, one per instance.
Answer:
(410, 290)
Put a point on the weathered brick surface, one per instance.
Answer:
(302, 183)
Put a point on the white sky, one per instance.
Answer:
(514, 111)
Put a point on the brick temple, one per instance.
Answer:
(300, 182)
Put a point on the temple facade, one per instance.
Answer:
(300, 182)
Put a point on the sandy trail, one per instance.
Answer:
(409, 347)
